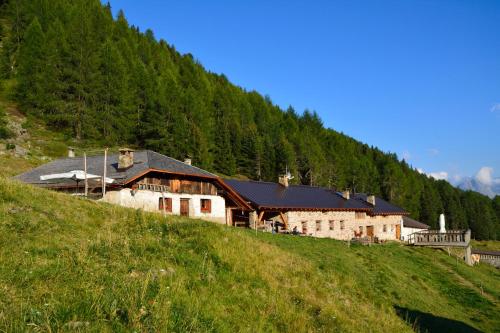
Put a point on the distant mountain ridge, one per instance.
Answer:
(483, 182)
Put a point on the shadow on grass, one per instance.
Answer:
(425, 322)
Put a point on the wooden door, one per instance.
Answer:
(369, 231)
(398, 231)
(185, 207)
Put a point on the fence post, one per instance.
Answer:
(468, 256)
(467, 236)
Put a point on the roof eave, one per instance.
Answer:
(323, 209)
(140, 174)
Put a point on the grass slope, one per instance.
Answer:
(69, 264)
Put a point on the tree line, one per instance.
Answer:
(96, 77)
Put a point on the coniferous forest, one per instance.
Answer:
(96, 77)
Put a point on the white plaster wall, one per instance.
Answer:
(405, 232)
(148, 201)
(351, 224)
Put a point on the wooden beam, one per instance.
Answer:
(259, 218)
(284, 219)
(229, 217)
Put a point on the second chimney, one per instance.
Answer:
(346, 194)
(283, 180)
(71, 152)
(187, 161)
(126, 158)
(371, 199)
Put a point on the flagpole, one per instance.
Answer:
(104, 177)
(85, 170)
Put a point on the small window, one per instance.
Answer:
(361, 230)
(342, 225)
(165, 204)
(206, 205)
(360, 215)
(332, 224)
(318, 225)
(385, 227)
(304, 227)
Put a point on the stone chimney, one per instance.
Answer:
(283, 180)
(371, 199)
(187, 161)
(126, 158)
(346, 194)
(71, 152)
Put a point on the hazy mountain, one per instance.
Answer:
(483, 182)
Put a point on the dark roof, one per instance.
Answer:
(381, 207)
(411, 223)
(486, 252)
(275, 196)
(143, 161)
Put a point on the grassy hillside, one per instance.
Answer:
(91, 76)
(68, 263)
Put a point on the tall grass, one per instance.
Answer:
(71, 264)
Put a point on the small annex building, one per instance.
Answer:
(411, 226)
(144, 180)
(319, 211)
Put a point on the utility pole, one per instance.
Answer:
(104, 177)
(85, 170)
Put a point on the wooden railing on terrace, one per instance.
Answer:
(451, 238)
(155, 188)
(188, 188)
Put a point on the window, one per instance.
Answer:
(361, 230)
(304, 227)
(318, 225)
(342, 225)
(385, 228)
(165, 204)
(392, 227)
(206, 205)
(360, 215)
(332, 224)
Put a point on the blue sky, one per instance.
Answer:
(418, 78)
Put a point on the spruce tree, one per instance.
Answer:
(31, 88)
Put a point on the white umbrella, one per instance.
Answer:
(442, 227)
(75, 175)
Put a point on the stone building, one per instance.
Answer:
(318, 211)
(145, 180)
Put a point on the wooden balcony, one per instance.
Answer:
(176, 186)
(434, 238)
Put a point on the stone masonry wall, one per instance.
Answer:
(342, 224)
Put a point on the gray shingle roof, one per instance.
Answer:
(411, 223)
(274, 195)
(143, 160)
(381, 207)
(486, 252)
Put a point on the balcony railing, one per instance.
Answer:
(458, 238)
(155, 188)
(183, 189)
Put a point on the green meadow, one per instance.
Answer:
(69, 264)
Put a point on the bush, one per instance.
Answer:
(5, 133)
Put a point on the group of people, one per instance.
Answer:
(275, 225)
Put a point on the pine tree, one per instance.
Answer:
(31, 88)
